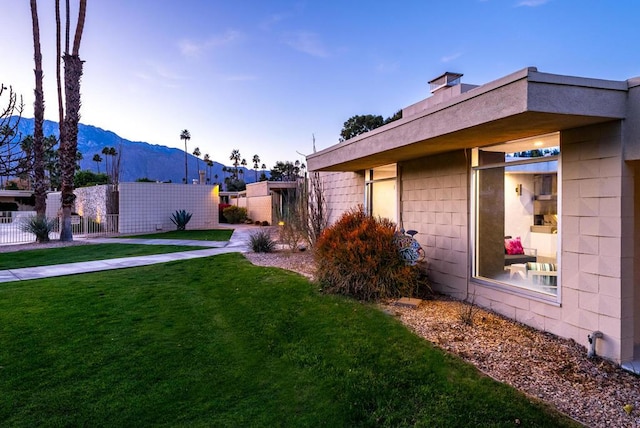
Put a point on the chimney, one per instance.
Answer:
(446, 80)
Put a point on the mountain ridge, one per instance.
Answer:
(139, 159)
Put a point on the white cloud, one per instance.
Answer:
(191, 48)
(273, 19)
(306, 42)
(532, 3)
(450, 58)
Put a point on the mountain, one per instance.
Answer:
(138, 159)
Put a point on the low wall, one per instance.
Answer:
(146, 207)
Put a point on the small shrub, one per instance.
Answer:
(468, 311)
(257, 223)
(265, 223)
(221, 208)
(234, 214)
(39, 226)
(357, 257)
(180, 219)
(261, 242)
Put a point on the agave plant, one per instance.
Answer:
(39, 226)
(180, 219)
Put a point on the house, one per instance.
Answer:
(268, 201)
(538, 166)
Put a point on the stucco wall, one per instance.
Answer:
(149, 206)
(343, 191)
(434, 202)
(259, 208)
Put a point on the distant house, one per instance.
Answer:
(268, 201)
(525, 192)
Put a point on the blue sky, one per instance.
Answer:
(262, 76)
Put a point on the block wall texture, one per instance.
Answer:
(596, 254)
(146, 207)
(343, 191)
(434, 202)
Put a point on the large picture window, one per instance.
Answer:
(381, 195)
(516, 196)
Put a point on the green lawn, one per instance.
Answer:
(220, 342)
(197, 235)
(83, 253)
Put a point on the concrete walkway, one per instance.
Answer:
(237, 244)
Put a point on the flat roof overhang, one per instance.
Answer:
(523, 104)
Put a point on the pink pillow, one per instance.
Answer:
(513, 246)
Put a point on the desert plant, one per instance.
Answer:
(261, 242)
(357, 256)
(234, 214)
(39, 226)
(180, 219)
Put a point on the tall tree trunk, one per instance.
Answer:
(69, 146)
(40, 190)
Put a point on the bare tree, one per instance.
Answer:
(69, 130)
(40, 187)
(11, 156)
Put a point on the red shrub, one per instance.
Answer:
(357, 257)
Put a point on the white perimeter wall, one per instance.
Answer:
(149, 206)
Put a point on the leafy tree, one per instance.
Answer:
(235, 185)
(186, 136)
(87, 178)
(359, 124)
(286, 171)
(97, 159)
(144, 180)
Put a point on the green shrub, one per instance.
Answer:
(235, 215)
(180, 219)
(261, 242)
(264, 223)
(357, 257)
(39, 226)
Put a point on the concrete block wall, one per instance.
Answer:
(597, 238)
(596, 254)
(343, 191)
(145, 207)
(434, 202)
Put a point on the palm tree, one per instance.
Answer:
(244, 164)
(196, 153)
(206, 160)
(263, 167)
(210, 165)
(97, 159)
(40, 191)
(184, 135)
(256, 163)
(69, 136)
(235, 157)
(105, 152)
